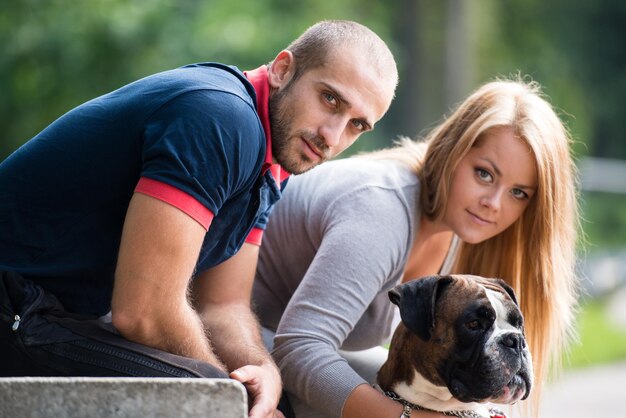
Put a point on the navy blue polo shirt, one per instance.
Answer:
(196, 137)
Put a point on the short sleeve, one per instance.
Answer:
(206, 143)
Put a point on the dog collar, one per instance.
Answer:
(408, 407)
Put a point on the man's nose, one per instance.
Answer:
(332, 130)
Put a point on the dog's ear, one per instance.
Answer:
(416, 300)
(508, 289)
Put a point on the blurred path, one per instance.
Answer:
(594, 392)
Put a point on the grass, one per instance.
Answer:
(601, 341)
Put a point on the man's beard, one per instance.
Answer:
(281, 118)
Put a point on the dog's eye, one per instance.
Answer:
(473, 325)
(516, 320)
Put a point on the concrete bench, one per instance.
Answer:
(95, 397)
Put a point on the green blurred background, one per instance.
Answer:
(59, 53)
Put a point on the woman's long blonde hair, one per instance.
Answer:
(535, 255)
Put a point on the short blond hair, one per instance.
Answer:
(315, 47)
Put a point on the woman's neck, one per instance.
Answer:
(430, 247)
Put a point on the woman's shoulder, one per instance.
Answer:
(362, 173)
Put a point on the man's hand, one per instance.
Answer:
(264, 386)
(222, 297)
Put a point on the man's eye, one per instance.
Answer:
(329, 98)
(359, 125)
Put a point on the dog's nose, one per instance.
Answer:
(513, 340)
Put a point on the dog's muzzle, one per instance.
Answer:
(498, 373)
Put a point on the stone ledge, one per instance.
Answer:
(96, 397)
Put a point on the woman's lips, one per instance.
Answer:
(479, 220)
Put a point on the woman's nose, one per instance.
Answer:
(492, 200)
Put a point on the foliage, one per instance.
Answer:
(572, 48)
(59, 53)
(601, 341)
(604, 220)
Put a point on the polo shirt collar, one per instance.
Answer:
(260, 81)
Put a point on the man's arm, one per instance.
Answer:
(222, 296)
(158, 252)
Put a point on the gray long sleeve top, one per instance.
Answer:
(336, 243)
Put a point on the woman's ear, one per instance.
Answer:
(282, 69)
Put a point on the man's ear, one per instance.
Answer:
(416, 300)
(282, 69)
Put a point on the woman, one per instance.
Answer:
(489, 192)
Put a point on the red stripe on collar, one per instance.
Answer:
(260, 81)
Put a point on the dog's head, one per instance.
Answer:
(461, 341)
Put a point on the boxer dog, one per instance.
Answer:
(460, 346)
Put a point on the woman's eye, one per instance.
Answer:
(483, 174)
(519, 194)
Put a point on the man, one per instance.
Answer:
(150, 202)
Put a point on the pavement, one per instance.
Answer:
(121, 397)
(593, 392)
